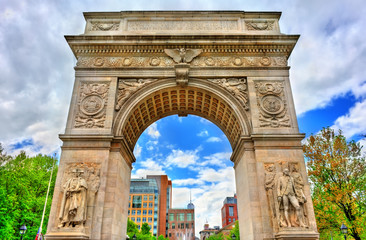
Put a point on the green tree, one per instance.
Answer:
(337, 172)
(161, 237)
(145, 229)
(216, 237)
(235, 231)
(24, 182)
(131, 228)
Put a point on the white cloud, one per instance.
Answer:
(214, 139)
(149, 167)
(181, 158)
(203, 133)
(220, 159)
(212, 175)
(137, 151)
(353, 122)
(187, 182)
(152, 131)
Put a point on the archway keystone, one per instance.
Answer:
(134, 68)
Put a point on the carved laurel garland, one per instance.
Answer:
(215, 61)
(104, 26)
(91, 105)
(126, 87)
(272, 104)
(237, 87)
(259, 25)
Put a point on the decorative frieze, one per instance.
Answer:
(236, 86)
(272, 104)
(162, 61)
(91, 105)
(205, 25)
(126, 87)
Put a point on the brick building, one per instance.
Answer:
(229, 211)
(181, 224)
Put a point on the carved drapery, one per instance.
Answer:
(272, 104)
(236, 86)
(92, 102)
(256, 25)
(79, 186)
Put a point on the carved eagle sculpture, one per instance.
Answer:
(182, 55)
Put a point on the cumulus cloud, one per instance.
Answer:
(214, 139)
(137, 151)
(148, 167)
(220, 159)
(353, 122)
(203, 133)
(187, 182)
(152, 131)
(181, 158)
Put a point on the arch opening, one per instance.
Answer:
(181, 101)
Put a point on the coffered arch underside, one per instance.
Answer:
(152, 103)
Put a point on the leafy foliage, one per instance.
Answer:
(24, 182)
(144, 234)
(216, 237)
(161, 237)
(337, 171)
(235, 231)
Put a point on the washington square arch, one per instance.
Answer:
(134, 68)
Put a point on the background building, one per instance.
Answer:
(207, 231)
(144, 203)
(149, 202)
(181, 223)
(229, 212)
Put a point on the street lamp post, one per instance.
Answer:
(233, 237)
(134, 237)
(344, 231)
(22, 231)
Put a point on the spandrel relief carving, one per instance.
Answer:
(80, 185)
(272, 105)
(91, 105)
(126, 87)
(236, 86)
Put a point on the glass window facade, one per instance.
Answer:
(189, 216)
(136, 202)
(231, 211)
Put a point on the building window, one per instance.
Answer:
(150, 212)
(229, 219)
(173, 225)
(171, 216)
(129, 204)
(145, 197)
(231, 211)
(187, 225)
(144, 212)
(133, 212)
(150, 204)
(138, 219)
(180, 217)
(144, 219)
(189, 216)
(151, 197)
(223, 212)
(129, 212)
(182, 225)
(192, 225)
(170, 234)
(133, 219)
(136, 202)
(149, 219)
(138, 226)
(138, 212)
(145, 204)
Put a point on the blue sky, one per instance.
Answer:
(327, 76)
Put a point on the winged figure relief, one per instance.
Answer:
(182, 55)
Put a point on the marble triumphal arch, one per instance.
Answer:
(134, 68)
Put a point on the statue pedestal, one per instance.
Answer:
(297, 234)
(66, 235)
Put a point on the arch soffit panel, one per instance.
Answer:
(164, 98)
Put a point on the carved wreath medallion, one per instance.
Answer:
(91, 106)
(272, 104)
